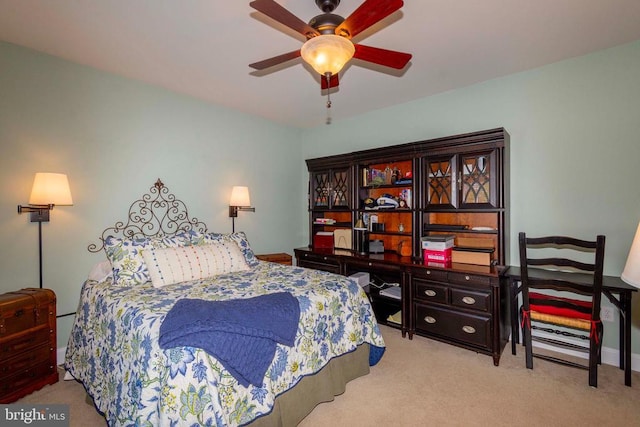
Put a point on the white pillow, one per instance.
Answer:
(101, 271)
(174, 265)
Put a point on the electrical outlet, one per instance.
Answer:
(606, 314)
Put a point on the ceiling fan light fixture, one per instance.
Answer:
(327, 53)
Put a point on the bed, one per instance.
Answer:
(120, 351)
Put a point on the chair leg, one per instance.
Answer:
(528, 346)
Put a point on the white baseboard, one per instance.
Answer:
(60, 354)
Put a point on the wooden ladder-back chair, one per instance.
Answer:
(563, 311)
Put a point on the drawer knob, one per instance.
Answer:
(324, 258)
(428, 272)
(430, 293)
(469, 300)
(430, 319)
(370, 264)
(467, 278)
(469, 329)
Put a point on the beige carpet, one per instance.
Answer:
(427, 383)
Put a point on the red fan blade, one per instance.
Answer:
(333, 82)
(261, 65)
(369, 12)
(283, 16)
(388, 58)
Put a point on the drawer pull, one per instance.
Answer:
(430, 293)
(324, 258)
(19, 313)
(428, 272)
(467, 278)
(469, 300)
(469, 329)
(430, 319)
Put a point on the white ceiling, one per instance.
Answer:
(203, 47)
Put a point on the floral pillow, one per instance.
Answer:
(126, 259)
(238, 238)
(174, 265)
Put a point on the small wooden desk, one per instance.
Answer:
(611, 286)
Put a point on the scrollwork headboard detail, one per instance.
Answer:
(155, 214)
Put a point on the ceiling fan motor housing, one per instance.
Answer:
(326, 23)
(327, 5)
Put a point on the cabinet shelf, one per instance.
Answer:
(335, 224)
(383, 186)
(391, 233)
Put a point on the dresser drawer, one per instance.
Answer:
(463, 327)
(22, 379)
(319, 262)
(429, 291)
(474, 300)
(470, 280)
(25, 360)
(24, 342)
(431, 274)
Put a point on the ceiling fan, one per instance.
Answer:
(328, 47)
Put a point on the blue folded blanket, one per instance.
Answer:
(242, 333)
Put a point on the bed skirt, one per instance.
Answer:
(295, 404)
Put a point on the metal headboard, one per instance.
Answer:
(158, 213)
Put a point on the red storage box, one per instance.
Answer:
(323, 240)
(437, 256)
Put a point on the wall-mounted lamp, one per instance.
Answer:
(631, 273)
(49, 189)
(240, 201)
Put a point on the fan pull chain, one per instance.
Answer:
(328, 77)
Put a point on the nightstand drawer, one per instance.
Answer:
(463, 327)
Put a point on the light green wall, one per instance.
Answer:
(575, 146)
(114, 137)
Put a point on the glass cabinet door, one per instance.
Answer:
(477, 180)
(340, 188)
(330, 189)
(441, 189)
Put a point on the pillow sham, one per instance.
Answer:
(101, 271)
(174, 265)
(126, 259)
(239, 238)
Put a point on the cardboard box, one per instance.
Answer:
(437, 256)
(475, 242)
(323, 240)
(480, 257)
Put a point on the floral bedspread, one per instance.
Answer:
(113, 348)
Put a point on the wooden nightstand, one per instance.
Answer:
(280, 258)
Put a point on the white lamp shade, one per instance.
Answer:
(327, 53)
(50, 189)
(631, 273)
(240, 196)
